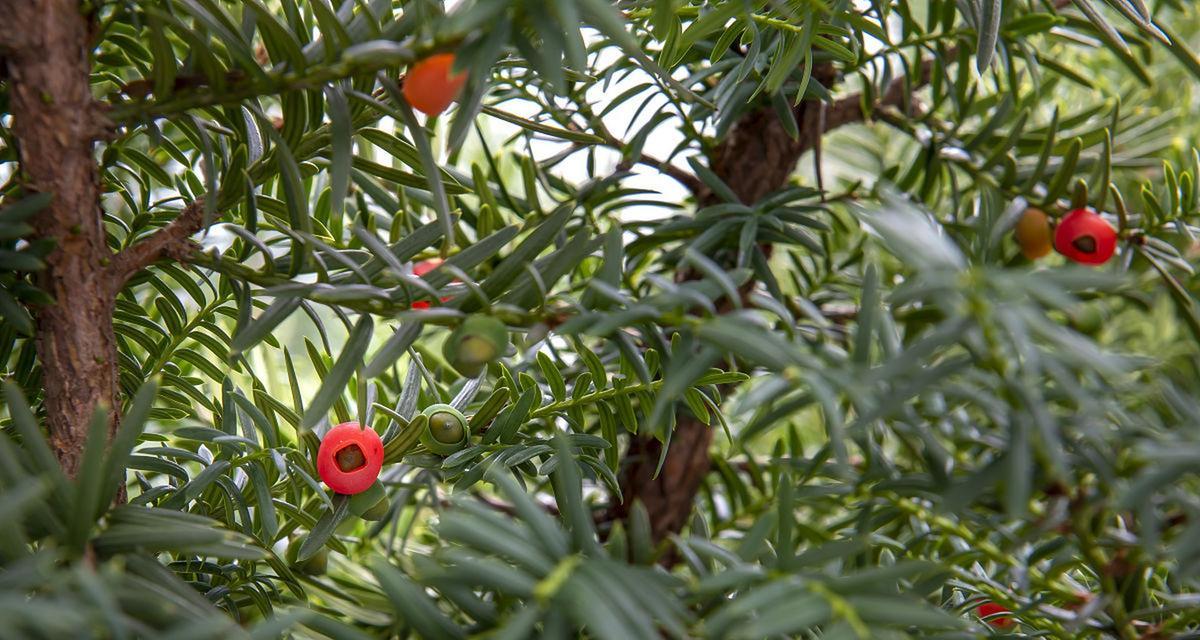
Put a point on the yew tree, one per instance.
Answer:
(606, 319)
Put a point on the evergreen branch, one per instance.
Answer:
(591, 398)
(170, 241)
(132, 111)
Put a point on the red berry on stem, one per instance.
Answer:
(350, 458)
(430, 87)
(991, 609)
(421, 268)
(1085, 237)
(425, 266)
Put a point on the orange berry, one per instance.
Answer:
(1033, 234)
(429, 86)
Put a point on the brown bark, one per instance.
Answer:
(56, 122)
(756, 158)
(170, 242)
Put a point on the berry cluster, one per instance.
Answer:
(1082, 236)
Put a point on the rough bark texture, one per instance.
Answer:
(756, 158)
(56, 123)
(171, 242)
(668, 498)
(44, 46)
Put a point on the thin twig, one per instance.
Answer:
(171, 241)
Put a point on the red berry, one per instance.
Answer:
(425, 266)
(421, 268)
(991, 609)
(350, 458)
(429, 86)
(1085, 237)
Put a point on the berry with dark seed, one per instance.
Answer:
(1084, 237)
(350, 458)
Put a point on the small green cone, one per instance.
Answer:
(446, 431)
(475, 343)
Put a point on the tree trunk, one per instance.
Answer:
(56, 121)
(755, 158)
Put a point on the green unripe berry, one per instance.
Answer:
(367, 502)
(476, 351)
(445, 431)
(377, 512)
(1087, 319)
(475, 343)
(445, 428)
(248, 611)
(316, 565)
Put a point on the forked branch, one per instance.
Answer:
(171, 241)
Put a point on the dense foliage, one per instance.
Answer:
(912, 417)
